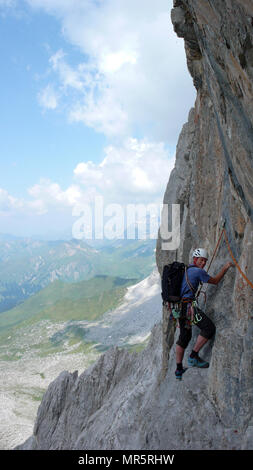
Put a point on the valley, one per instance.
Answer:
(28, 266)
(68, 325)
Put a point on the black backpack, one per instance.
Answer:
(172, 278)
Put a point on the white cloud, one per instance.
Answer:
(48, 195)
(101, 113)
(48, 98)
(89, 173)
(115, 60)
(133, 172)
(131, 79)
(137, 170)
(8, 203)
(68, 76)
(135, 72)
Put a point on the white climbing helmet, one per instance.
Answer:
(200, 252)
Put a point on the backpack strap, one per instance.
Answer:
(188, 281)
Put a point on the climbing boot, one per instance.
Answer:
(179, 373)
(197, 362)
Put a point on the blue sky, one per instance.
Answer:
(35, 143)
(93, 97)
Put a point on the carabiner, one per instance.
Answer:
(197, 317)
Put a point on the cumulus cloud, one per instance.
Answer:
(130, 80)
(133, 172)
(134, 73)
(47, 195)
(137, 170)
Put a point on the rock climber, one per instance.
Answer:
(190, 284)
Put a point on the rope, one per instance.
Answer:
(231, 254)
(217, 244)
(234, 260)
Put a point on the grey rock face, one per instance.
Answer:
(212, 181)
(132, 401)
(120, 403)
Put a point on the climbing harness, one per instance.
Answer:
(174, 310)
(192, 315)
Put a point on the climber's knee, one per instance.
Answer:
(185, 334)
(207, 327)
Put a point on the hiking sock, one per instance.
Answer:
(194, 354)
(180, 366)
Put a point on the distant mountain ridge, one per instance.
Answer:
(28, 265)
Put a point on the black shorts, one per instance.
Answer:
(201, 320)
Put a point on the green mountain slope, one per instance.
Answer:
(27, 266)
(85, 300)
(39, 326)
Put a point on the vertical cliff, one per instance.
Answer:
(213, 180)
(132, 401)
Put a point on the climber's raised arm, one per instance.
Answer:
(216, 279)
